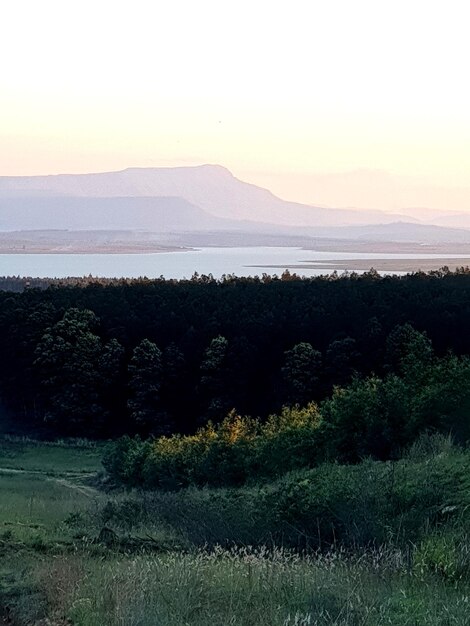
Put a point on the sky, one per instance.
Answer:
(335, 102)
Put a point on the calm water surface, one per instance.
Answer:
(215, 261)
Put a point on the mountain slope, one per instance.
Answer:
(68, 213)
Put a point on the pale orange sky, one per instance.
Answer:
(280, 93)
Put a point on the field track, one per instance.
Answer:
(63, 480)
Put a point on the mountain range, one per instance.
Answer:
(204, 198)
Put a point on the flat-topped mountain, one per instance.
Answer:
(209, 187)
(181, 203)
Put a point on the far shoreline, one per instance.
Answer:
(102, 250)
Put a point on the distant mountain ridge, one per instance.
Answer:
(170, 202)
(209, 187)
(398, 231)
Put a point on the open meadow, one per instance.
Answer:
(75, 553)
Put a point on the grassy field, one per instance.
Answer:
(79, 456)
(56, 563)
(42, 486)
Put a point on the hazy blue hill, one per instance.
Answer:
(398, 231)
(210, 187)
(453, 220)
(75, 213)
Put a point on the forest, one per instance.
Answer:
(156, 357)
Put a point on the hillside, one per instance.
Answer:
(154, 214)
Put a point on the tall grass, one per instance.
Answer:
(264, 588)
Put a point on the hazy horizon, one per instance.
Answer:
(334, 104)
(359, 189)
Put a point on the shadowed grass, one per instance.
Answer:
(257, 588)
(59, 457)
(41, 486)
(33, 507)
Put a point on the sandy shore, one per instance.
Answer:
(381, 265)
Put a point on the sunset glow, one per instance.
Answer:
(280, 93)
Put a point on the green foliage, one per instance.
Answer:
(372, 503)
(372, 417)
(408, 352)
(289, 440)
(237, 450)
(124, 460)
(341, 360)
(145, 381)
(301, 373)
(380, 416)
(250, 344)
(368, 418)
(76, 368)
(442, 401)
(217, 455)
(214, 368)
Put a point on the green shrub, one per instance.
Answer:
(368, 504)
(372, 417)
(124, 460)
(234, 452)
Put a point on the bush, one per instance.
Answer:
(124, 460)
(369, 504)
(372, 417)
(231, 454)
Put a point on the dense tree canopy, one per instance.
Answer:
(105, 357)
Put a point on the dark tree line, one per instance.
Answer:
(152, 357)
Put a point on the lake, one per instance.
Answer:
(243, 261)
